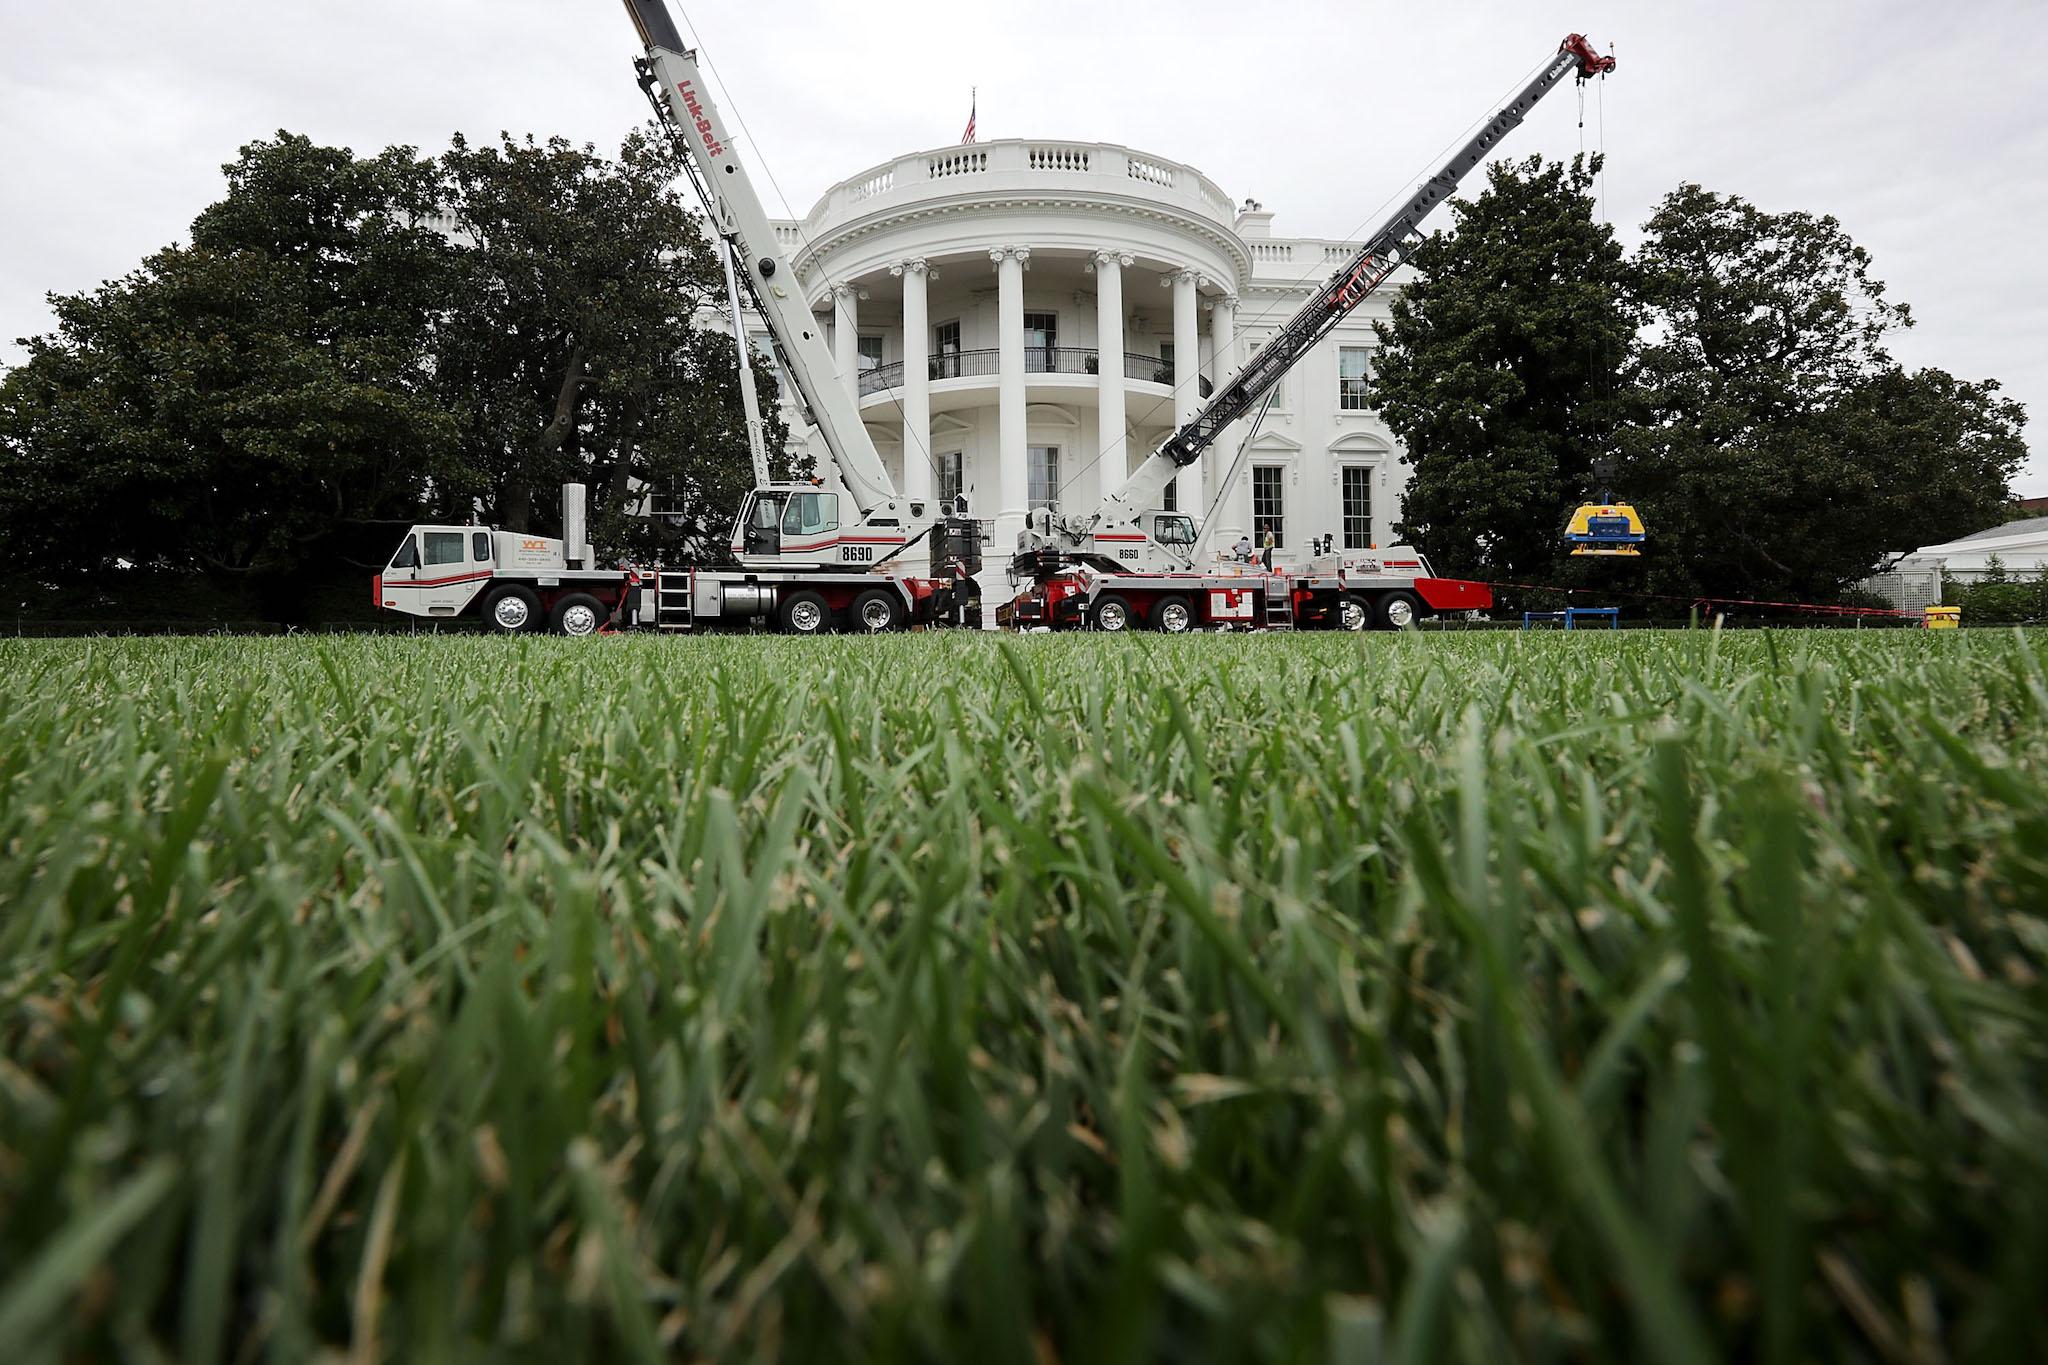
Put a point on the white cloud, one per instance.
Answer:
(1922, 137)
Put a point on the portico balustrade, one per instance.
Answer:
(1146, 369)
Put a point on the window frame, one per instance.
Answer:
(863, 360)
(1344, 515)
(1276, 519)
(1032, 479)
(1363, 378)
(940, 350)
(480, 547)
(827, 505)
(952, 469)
(428, 539)
(1052, 341)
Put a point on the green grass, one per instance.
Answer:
(1657, 997)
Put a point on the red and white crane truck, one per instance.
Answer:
(1127, 563)
(807, 559)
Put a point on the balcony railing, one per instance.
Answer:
(1147, 369)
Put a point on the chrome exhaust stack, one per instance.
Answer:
(575, 527)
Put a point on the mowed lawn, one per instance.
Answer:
(1642, 997)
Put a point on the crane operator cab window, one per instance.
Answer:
(443, 547)
(1174, 529)
(763, 532)
(408, 556)
(810, 514)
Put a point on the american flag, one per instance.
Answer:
(974, 102)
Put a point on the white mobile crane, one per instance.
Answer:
(804, 562)
(1127, 562)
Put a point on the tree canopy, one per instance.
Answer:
(1501, 368)
(1731, 376)
(349, 344)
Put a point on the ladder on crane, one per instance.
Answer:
(1279, 603)
(673, 609)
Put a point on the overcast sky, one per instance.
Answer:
(1920, 127)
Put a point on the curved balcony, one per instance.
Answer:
(1144, 369)
(1087, 171)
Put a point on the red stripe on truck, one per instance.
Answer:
(442, 582)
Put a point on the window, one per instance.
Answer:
(1174, 530)
(811, 514)
(1269, 505)
(1357, 506)
(1041, 339)
(767, 512)
(1352, 391)
(1044, 489)
(870, 352)
(444, 547)
(1172, 502)
(946, 354)
(950, 485)
(480, 546)
(408, 556)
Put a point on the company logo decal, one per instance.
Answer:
(711, 142)
(533, 545)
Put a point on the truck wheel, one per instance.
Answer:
(875, 611)
(513, 610)
(577, 615)
(1173, 616)
(1353, 612)
(804, 613)
(1112, 614)
(1399, 610)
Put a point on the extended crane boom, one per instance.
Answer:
(1383, 252)
(670, 75)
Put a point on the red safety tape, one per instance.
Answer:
(1886, 613)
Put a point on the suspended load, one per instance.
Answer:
(1604, 528)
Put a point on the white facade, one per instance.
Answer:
(1027, 320)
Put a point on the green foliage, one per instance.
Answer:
(1755, 418)
(575, 346)
(1781, 451)
(1501, 367)
(230, 403)
(1645, 997)
(1999, 597)
(319, 368)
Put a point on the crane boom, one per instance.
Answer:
(1383, 252)
(674, 84)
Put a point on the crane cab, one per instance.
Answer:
(1604, 528)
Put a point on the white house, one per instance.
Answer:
(1024, 321)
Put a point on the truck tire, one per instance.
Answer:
(578, 615)
(1353, 612)
(1173, 616)
(874, 611)
(513, 610)
(1110, 613)
(1399, 611)
(803, 613)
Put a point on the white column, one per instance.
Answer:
(846, 337)
(1011, 479)
(1187, 384)
(1114, 461)
(1223, 341)
(917, 380)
